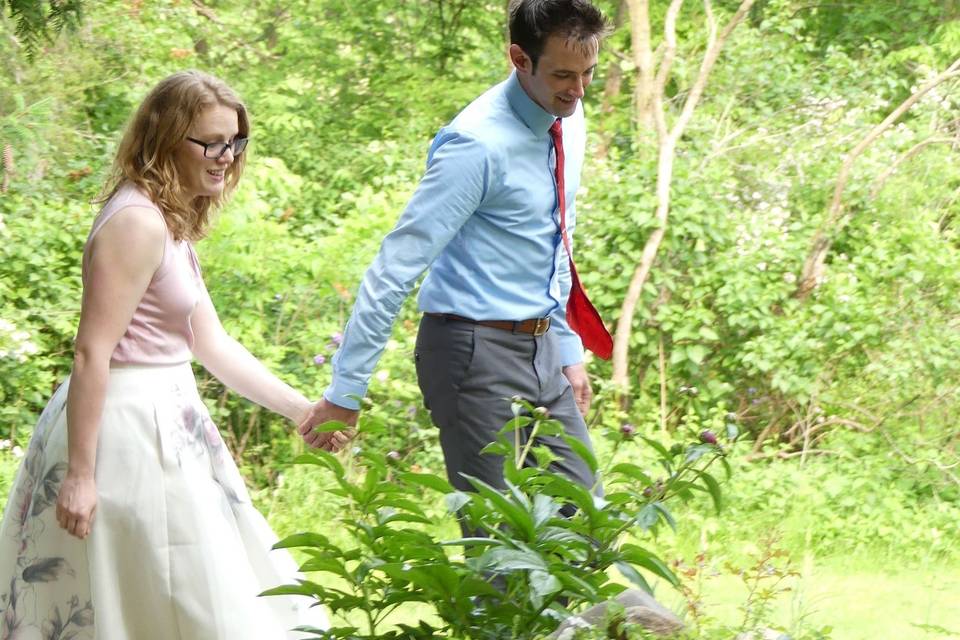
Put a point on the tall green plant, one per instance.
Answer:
(525, 567)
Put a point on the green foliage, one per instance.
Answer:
(36, 19)
(9, 463)
(524, 566)
(855, 388)
(862, 501)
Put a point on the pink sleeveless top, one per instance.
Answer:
(159, 332)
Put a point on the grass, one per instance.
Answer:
(856, 601)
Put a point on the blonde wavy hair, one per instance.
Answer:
(145, 156)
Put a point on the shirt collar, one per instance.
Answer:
(532, 114)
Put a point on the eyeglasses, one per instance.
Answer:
(215, 150)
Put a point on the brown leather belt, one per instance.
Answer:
(533, 326)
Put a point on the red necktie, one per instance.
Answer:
(582, 316)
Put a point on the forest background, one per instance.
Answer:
(774, 238)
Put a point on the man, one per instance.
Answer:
(489, 217)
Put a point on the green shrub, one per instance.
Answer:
(529, 569)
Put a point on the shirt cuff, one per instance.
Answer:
(571, 350)
(340, 392)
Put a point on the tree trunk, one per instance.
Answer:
(667, 140)
(611, 88)
(639, 11)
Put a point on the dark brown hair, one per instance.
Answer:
(533, 21)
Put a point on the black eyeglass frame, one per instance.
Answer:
(237, 146)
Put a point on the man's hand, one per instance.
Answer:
(324, 411)
(580, 381)
(76, 504)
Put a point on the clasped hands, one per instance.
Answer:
(321, 413)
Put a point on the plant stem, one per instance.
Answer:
(526, 447)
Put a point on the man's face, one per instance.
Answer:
(562, 74)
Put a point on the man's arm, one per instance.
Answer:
(455, 183)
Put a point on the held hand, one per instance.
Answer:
(76, 504)
(580, 382)
(324, 411)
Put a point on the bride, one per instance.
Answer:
(128, 519)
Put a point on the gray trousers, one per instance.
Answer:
(468, 373)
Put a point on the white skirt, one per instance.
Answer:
(176, 551)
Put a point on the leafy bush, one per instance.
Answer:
(524, 566)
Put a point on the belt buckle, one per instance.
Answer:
(541, 326)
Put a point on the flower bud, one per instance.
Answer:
(627, 430)
(708, 437)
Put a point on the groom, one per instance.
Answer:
(492, 218)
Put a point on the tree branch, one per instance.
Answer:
(813, 266)
(914, 150)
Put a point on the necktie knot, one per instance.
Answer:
(556, 131)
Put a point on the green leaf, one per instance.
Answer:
(314, 540)
(639, 556)
(708, 334)
(633, 576)
(321, 459)
(543, 583)
(696, 353)
(502, 560)
(543, 509)
(632, 471)
(714, 488)
(647, 517)
(427, 480)
(732, 431)
(513, 514)
(330, 426)
(404, 504)
(665, 513)
(583, 451)
(561, 487)
(659, 448)
(456, 501)
(325, 564)
(697, 451)
(386, 518)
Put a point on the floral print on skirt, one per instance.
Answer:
(176, 551)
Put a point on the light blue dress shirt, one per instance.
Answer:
(485, 220)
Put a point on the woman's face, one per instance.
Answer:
(200, 175)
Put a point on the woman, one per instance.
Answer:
(128, 518)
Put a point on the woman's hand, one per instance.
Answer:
(76, 504)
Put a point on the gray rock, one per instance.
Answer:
(639, 608)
